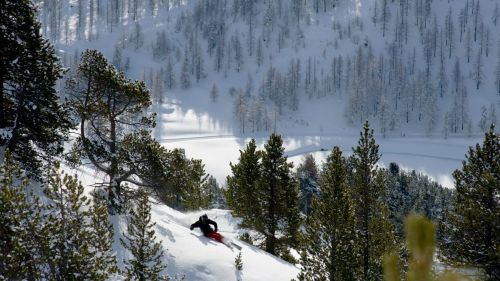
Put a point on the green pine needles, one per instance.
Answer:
(474, 223)
(330, 229)
(67, 238)
(146, 262)
(264, 193)
(348, 230)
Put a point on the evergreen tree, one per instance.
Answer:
(214, 93)
(169, 78)
(197, 195)
(104, 260)
(375, 229)
(278, 196)
(109, 106)
(33, 122)
(264, 193)
(70, 241)
(185, 79)
(22, 233)
(330, 229)
(475, 227)
(242, 185)
(146, 262)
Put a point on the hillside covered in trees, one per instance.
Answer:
(427, 67)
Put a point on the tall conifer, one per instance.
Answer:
(22, 233)
(140, 239)
(475, 221)
(375, 229)
(330, 229)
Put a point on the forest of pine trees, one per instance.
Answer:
(423, 83)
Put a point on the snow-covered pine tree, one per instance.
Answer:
(103, 257)
(34, 124)
(22, 233)
(70, 240)
(330, 229)
(146, 262)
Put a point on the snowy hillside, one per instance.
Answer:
(196, 257)
(413, 66)
(190, 254)
(312, 72)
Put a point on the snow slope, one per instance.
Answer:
(190, 254)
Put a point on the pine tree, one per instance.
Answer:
(214, 93)
(146, 262)
(169, 78)
(197, 194)
(278, 194)
(185, 77)
(34, 123)
(330, 229)
(242, 185)
(70, 240)
(22, 233)
(375, 229)
(263, 192)
(107, 104)
(475, 228)
(477, 74)
(103, 258)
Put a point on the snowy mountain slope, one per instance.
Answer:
(200, 258)
(145, 38)
(190, 254)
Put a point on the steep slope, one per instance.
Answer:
(190, 254)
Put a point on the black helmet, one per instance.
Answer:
(204, 217)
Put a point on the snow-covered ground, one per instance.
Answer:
(191, 254)
(204, 138)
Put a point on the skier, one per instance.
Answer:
(204, 224)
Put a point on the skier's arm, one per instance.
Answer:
(196, 224)
(213, 223)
